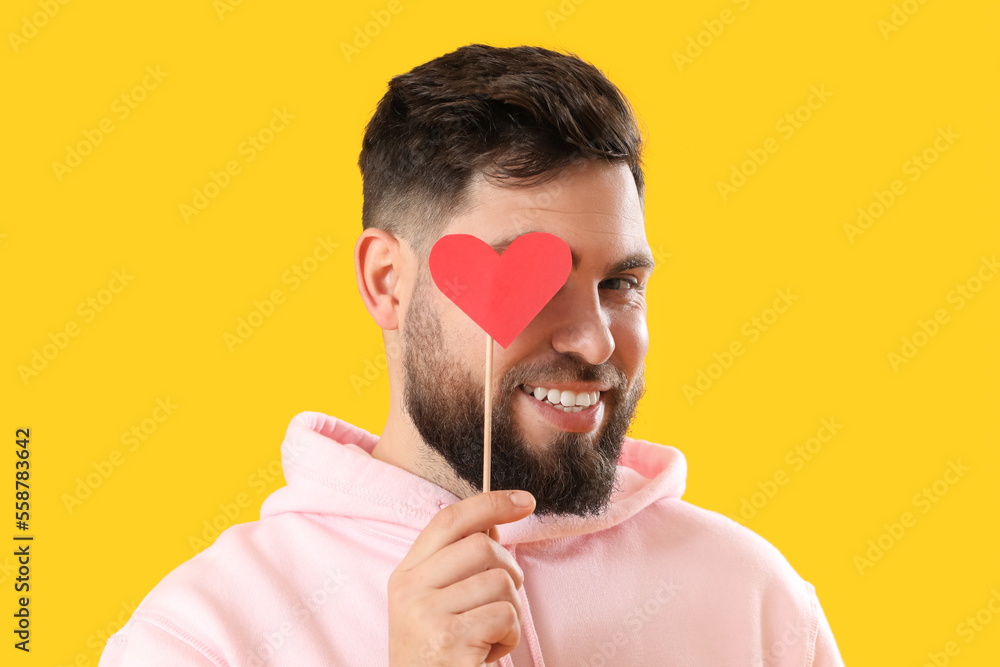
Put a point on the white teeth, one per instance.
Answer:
(565, 400)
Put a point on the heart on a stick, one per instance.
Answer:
(500, 293)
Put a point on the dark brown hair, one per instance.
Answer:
(517, 115)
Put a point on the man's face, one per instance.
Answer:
(589, 340)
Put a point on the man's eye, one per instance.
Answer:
(619, 284)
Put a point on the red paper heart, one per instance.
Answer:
(501, 293)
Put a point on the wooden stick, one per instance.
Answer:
(487, 413)
(487, 418)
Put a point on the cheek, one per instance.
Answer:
(631, 339)
(464, 342)
(449, 336)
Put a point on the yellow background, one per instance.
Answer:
(720, 264)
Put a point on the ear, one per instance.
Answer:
(378, 267)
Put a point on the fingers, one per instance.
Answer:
(476, 514)
(499, 626)
(454, 598)
(484, 634)
(480, 590)
(469, 556)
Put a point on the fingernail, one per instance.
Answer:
(520, 498)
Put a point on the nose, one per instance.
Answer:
(580, 324)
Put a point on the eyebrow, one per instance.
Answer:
(639, 260)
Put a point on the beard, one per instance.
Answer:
(575, 473)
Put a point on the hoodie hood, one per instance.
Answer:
(329, 470)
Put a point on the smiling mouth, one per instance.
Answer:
(565, 400)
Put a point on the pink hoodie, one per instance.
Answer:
(655, 581)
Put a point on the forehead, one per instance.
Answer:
(592, 205)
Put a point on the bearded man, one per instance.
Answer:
(381, 549)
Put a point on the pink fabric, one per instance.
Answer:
(655, 581)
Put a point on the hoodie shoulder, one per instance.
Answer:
(743, 571)
(693, 529)
(215, 596)
(723, 543)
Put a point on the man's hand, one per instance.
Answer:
(453, 599)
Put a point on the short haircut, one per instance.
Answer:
(516, 115)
